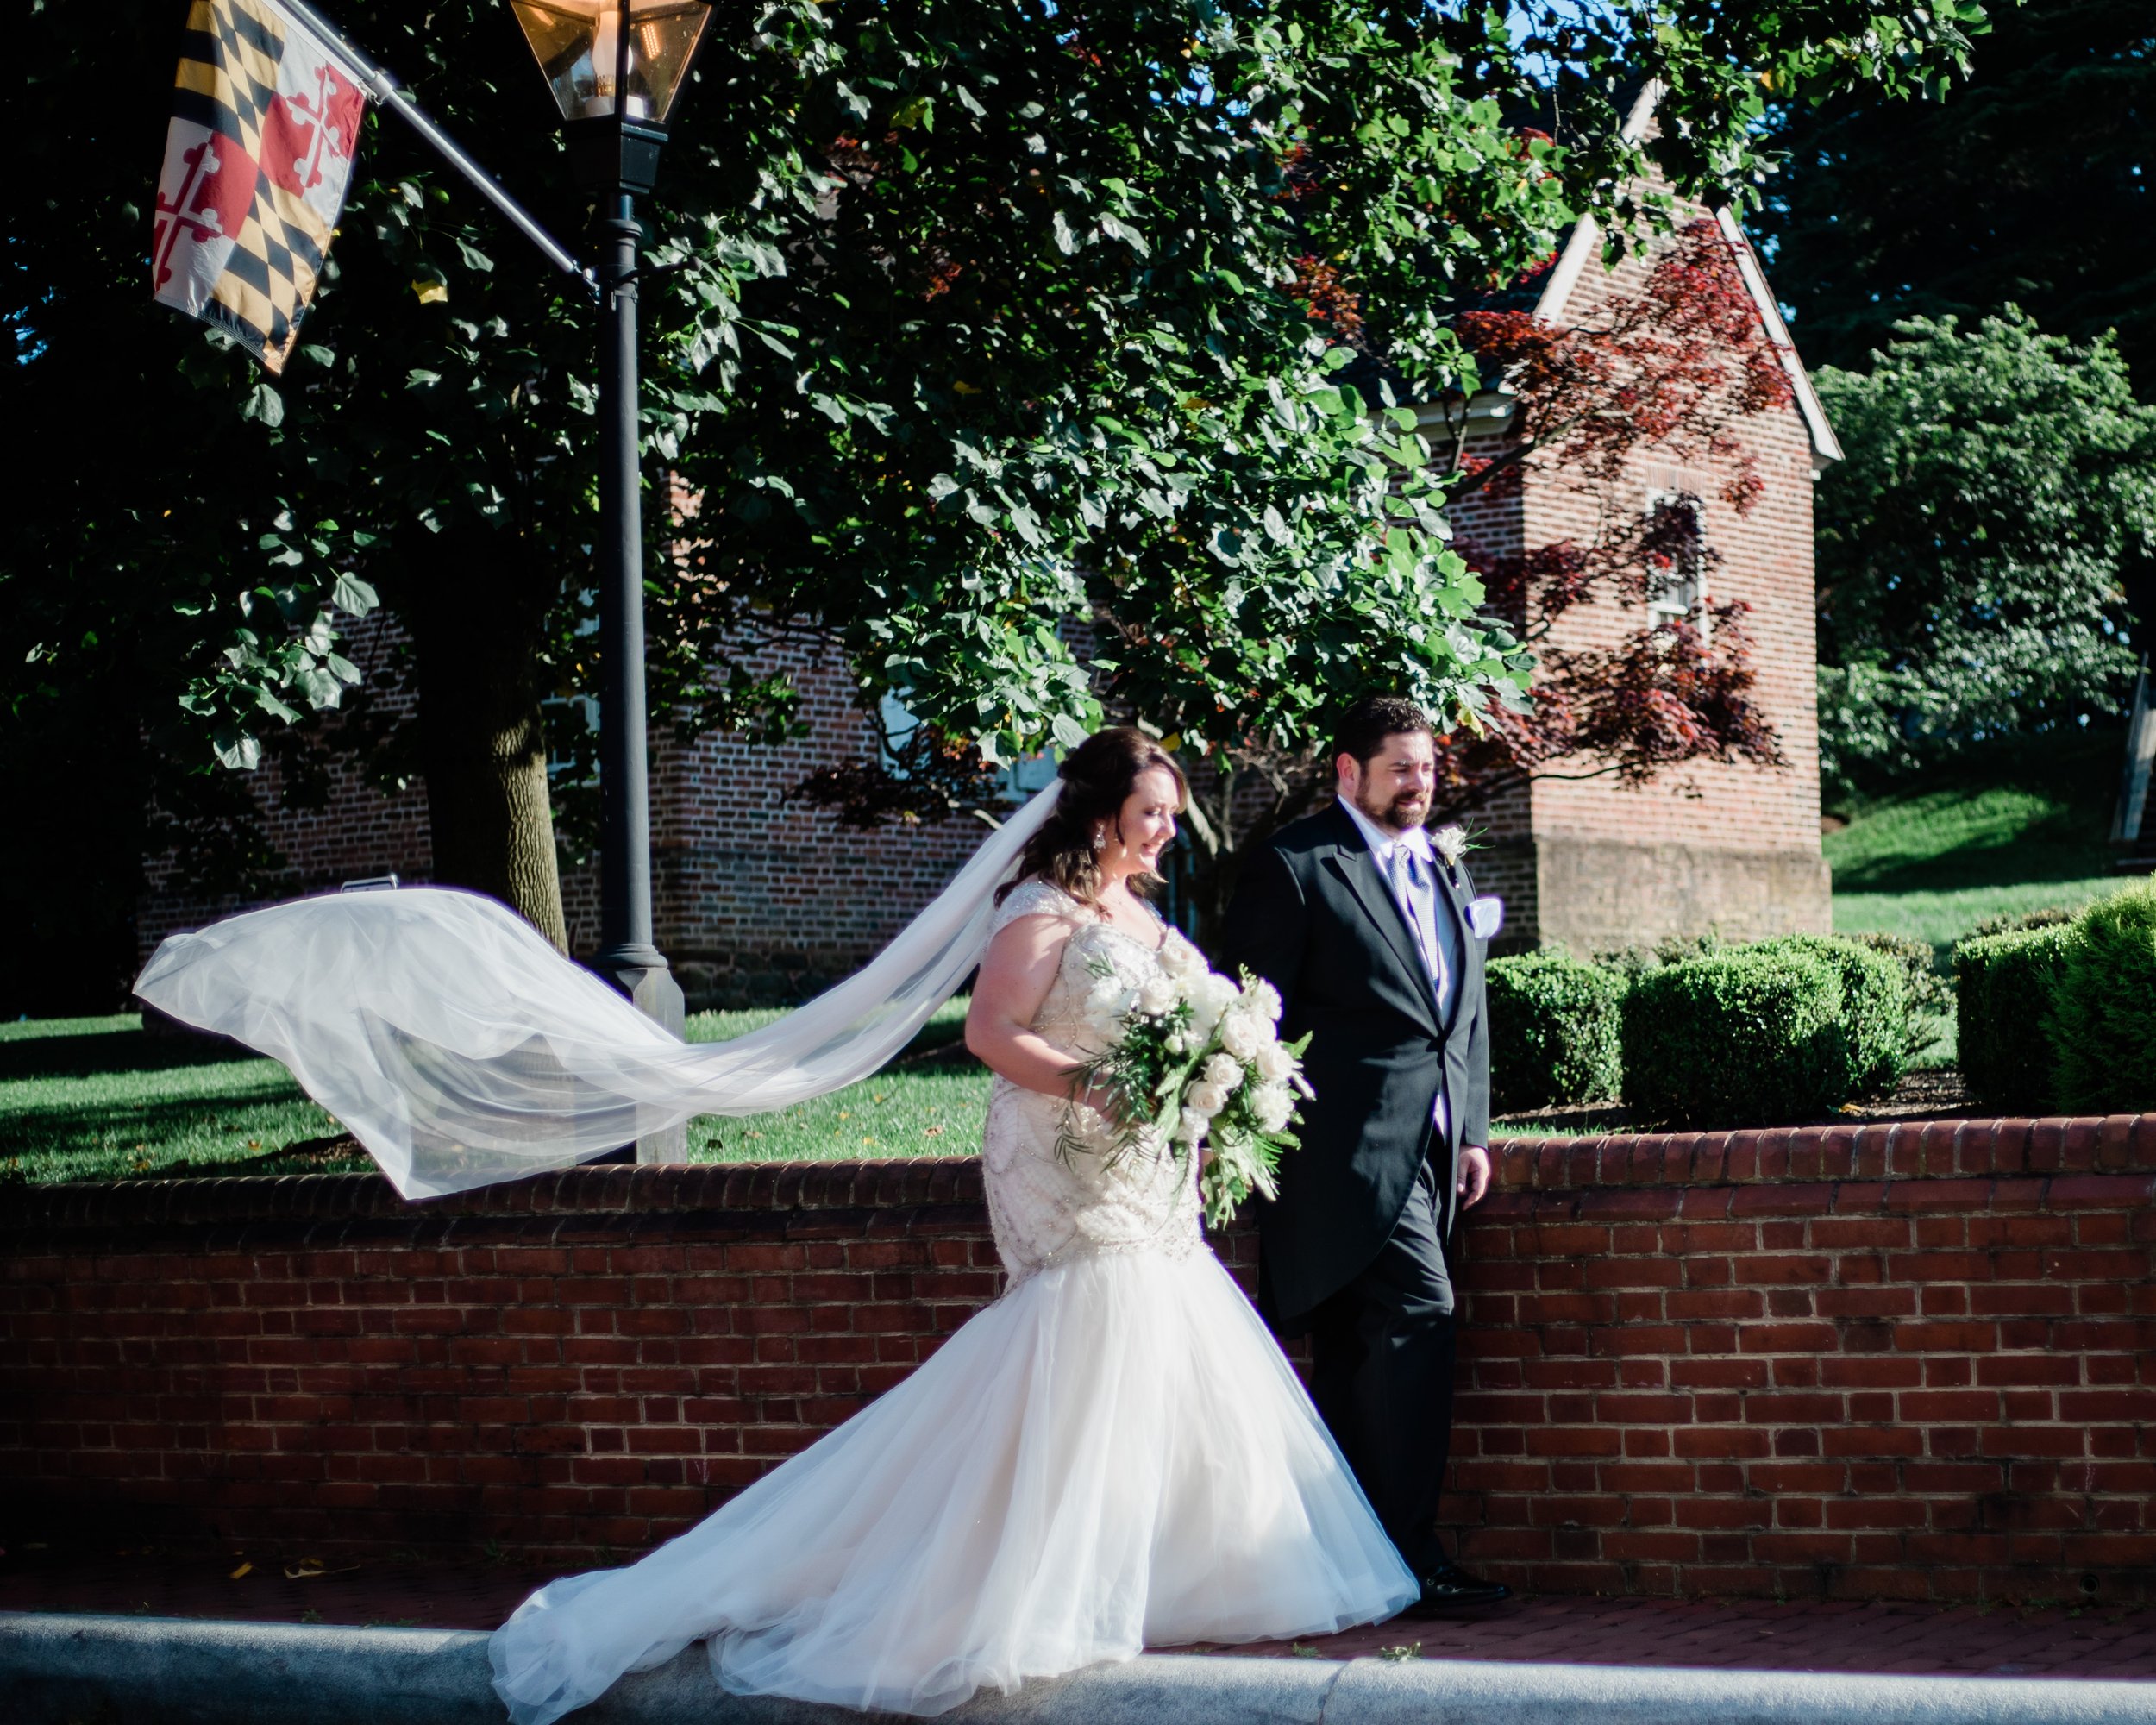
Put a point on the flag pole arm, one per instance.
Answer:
(390, 94)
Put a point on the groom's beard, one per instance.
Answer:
(1404, 813)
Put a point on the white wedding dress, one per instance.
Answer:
(1113, 1454)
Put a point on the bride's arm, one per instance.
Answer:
(1016, 973)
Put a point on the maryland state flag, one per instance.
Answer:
(265, 119)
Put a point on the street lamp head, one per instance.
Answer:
(614, 68)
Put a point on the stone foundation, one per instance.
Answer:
(1595, 894)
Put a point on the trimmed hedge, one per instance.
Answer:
(2005, 1000)
(1928, 989)
(1752, 1036)
(2020, 922)
(2104, 1023)
(1931, 991)
(1874, 1006)
(1554, 1025)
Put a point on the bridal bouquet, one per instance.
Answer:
(1196, 1065)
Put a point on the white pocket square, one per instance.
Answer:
(1485, 916)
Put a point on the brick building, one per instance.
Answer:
(761, 898)
(1589, 861)
(756, 898)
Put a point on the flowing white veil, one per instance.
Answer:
(461, 1049)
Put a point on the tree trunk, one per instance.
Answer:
(477, 617)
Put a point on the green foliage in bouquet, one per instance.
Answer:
(2104, 1022)
(2005, 987)
(1747, 1038)
(1554, 1030)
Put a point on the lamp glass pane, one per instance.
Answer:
(577, 43)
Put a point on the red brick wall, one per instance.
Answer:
(759, 899)
(1856, 1362)
(359, 831)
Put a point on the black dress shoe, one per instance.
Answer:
(1450, 1589)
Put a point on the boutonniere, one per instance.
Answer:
(1451, 842)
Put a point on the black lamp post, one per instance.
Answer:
(614, 66)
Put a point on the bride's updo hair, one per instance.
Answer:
(1098, 776)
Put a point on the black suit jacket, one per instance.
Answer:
(1315, 917)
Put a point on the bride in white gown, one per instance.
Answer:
(1113, 1454)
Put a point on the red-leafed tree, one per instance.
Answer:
(1672, 369)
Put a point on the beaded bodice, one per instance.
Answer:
(1046, 1202)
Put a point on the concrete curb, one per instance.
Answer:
(59, 1669)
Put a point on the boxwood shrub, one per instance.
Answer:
(2004, 1001)
(1752, 1036)
(1554, 1023)
(2104, 1024)
(1874, 1006)
(1929, 990)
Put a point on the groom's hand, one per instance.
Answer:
(1474, 1174)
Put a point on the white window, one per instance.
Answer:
(1677, 592)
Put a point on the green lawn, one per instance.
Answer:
(98, 1098)
(912, 1107)
(2016, 830)
(101, 1099)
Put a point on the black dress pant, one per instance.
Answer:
(1381, 1357)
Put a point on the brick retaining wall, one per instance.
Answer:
(1857, 1362)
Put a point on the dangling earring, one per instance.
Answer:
(1100, 838)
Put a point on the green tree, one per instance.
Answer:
(964, 319)
(1971, 547)
(2034, 183)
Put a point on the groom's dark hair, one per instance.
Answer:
(1363, 727)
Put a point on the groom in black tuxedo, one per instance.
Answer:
(1364, 928)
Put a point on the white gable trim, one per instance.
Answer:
(1585, 243)
(1586, 238)
(1825, 445)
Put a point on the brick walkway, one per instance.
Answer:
(1740, 1634)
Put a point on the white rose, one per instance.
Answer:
(1242, 1033)
(1263, 999)
(1192, 1127)
(1274, 1062)
(1224, 1069)
(1156, 997)
(1272, 1106)
(1179, 958)
(1204, 1099)
(1212, 996)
